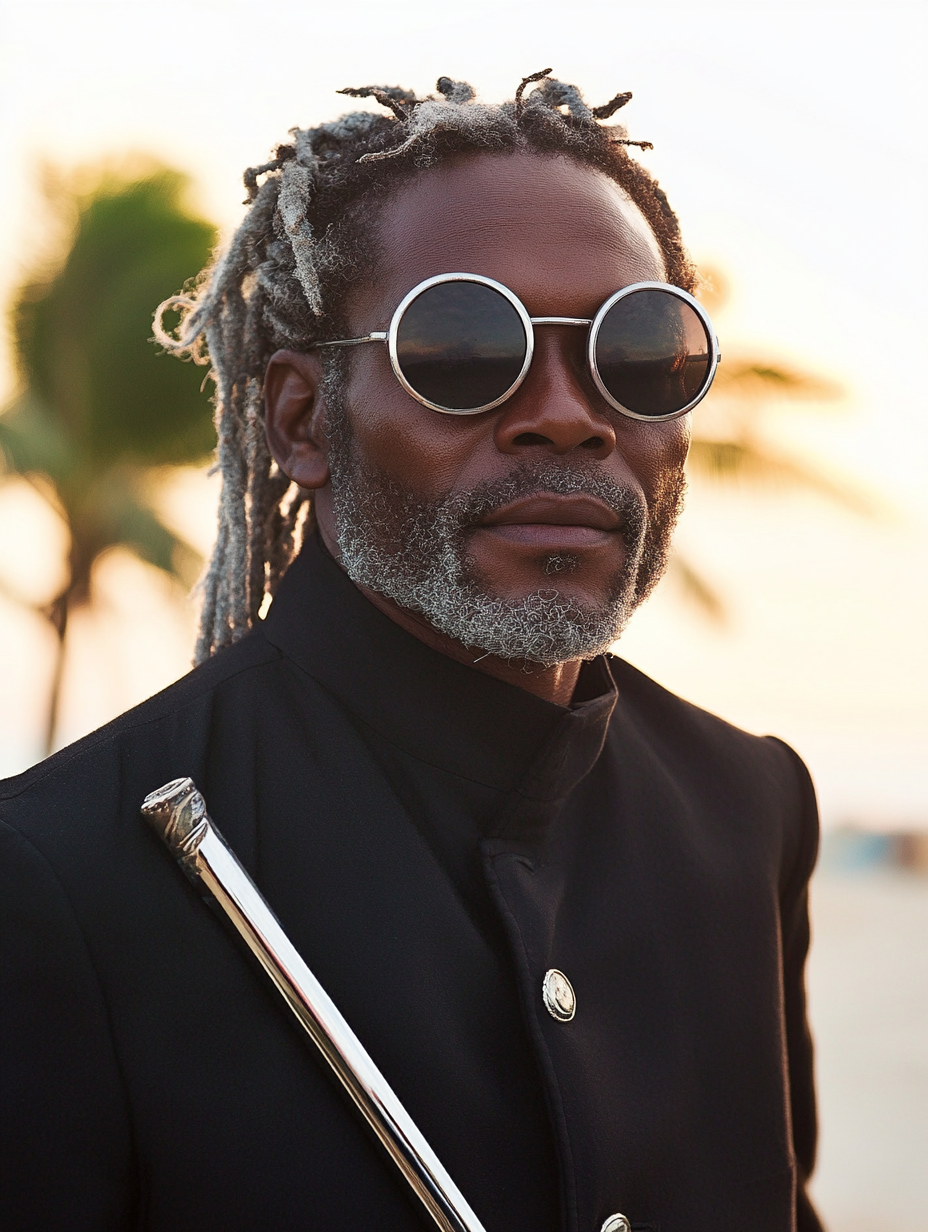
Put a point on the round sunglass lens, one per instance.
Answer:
(461, 345)
(653, 352)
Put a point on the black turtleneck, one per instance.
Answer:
(434, 841)
(461, 749)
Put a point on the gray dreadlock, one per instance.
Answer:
(305, 242)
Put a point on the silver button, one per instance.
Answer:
(559, 998)
(616, 1223)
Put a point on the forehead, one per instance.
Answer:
(561, 235)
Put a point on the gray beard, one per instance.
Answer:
(415, 552)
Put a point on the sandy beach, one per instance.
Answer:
(868, 987)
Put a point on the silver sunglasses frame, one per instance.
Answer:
(528, 324)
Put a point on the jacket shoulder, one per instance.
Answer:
(675, 722)
(742, 774)
(103, 757)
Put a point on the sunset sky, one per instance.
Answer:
(790, 139)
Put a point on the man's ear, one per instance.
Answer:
(294, 414)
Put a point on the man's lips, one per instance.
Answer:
(554, 523)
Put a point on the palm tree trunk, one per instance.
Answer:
(57, 613)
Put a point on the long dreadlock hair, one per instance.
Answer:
(305, 242)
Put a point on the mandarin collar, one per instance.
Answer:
(443, 712)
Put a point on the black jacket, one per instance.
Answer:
(433, 840)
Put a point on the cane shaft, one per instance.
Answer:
(178, 814)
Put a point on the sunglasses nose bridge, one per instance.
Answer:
(577, 322)
(554, 408)
(563, 341)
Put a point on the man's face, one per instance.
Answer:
(532, 530)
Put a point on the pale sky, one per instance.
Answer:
(790, 139)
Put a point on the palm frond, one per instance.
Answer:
(753, 462)
(135, 525)
(696, 588)
(32, 440)
(758, 380)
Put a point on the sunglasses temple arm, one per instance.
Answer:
(381, 336)
(378, 337)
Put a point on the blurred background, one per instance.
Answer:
(790, 138)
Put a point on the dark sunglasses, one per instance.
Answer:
(462, 344)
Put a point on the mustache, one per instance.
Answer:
(528, 479)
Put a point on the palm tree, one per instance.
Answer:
(730, 445)
(98, 407)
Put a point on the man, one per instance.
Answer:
(564, 911)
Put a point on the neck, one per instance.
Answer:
(554, 684)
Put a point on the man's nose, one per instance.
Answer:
(554, 410)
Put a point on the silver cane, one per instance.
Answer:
(178, 813)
